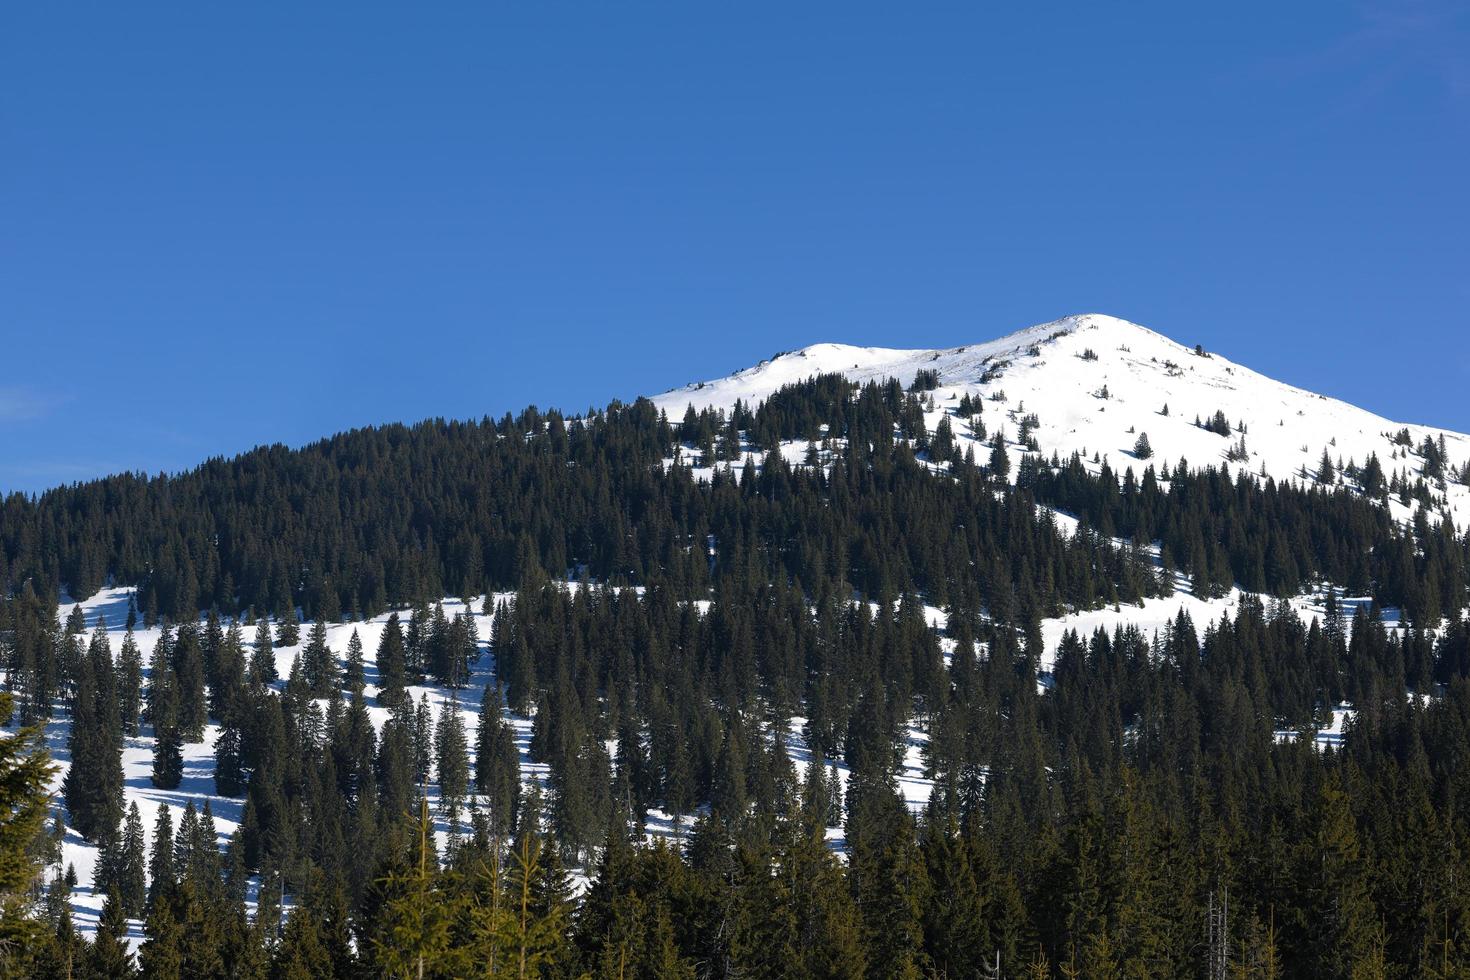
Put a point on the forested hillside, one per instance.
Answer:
(744, 622)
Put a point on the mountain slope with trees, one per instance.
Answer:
(678, 602)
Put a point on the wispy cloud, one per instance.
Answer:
(1390, 41)
(19, 404)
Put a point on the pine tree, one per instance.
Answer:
(391, 659)
(25, 774)
(1339, 919)
(302, 950)
(288, 629)
(229, 757)
(262, 656)
(415, 922)
(1142, 449)
(161, 871)
(168, 749)
(318, 663)
(497, 763)
(109, 956)
(535, 934)
(452, 751)
(132, 880)
(93, 786)
(423, 740)
(1000, 460)
(186, 839)
(129, 684)
(189, 685)
(356, 676)
(162, 953)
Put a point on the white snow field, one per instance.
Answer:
(1095, 383)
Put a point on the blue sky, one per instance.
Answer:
(254, 223)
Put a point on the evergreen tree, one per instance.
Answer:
(1000, 460)
(129, 684)
(356, 676)
(188, 682)
(318, 663)
(497, 763)
(452, 752)
(288, 629)
(25, 772)
(391, 662)
(262, 656)
(161, 871)
(1337, 915)
(132, 881)
(109, 956)
(93, 786)
(416, 919)
(168, 749)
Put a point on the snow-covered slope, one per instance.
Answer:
(1057, 372)
(110, 607)
(1096, 382)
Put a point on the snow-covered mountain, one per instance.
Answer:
(1095, 382)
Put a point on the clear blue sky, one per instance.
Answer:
(249, 223)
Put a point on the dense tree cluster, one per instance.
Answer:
(1152, 805)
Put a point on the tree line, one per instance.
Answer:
(1152, 805)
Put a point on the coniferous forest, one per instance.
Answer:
(1122, 805)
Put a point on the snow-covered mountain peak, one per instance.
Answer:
(1093, 384)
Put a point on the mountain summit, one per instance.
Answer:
(1094, 384)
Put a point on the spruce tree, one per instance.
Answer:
(25, 772)
(318, 663)
(1000, 460)
(168, 748)
(109, 955)
(262, 656)
(132, 880)
(497, 763)
(1338, 915)
(93, 786)
(161, 872)
(189, 684)
(288, 629)
(129, 684)
(452, 751)
(414, 923)
(356, 676)
(391, 662)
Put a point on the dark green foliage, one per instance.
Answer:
(168, 749)
(355, 676)
(497, 764)
(318, 663)
(25, 772)
(129, 685)
(1086, 818)
(262, 655)
(452, 766)
(93, 787)
(132, 887)
(392, 662)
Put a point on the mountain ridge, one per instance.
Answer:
(1091, 383)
